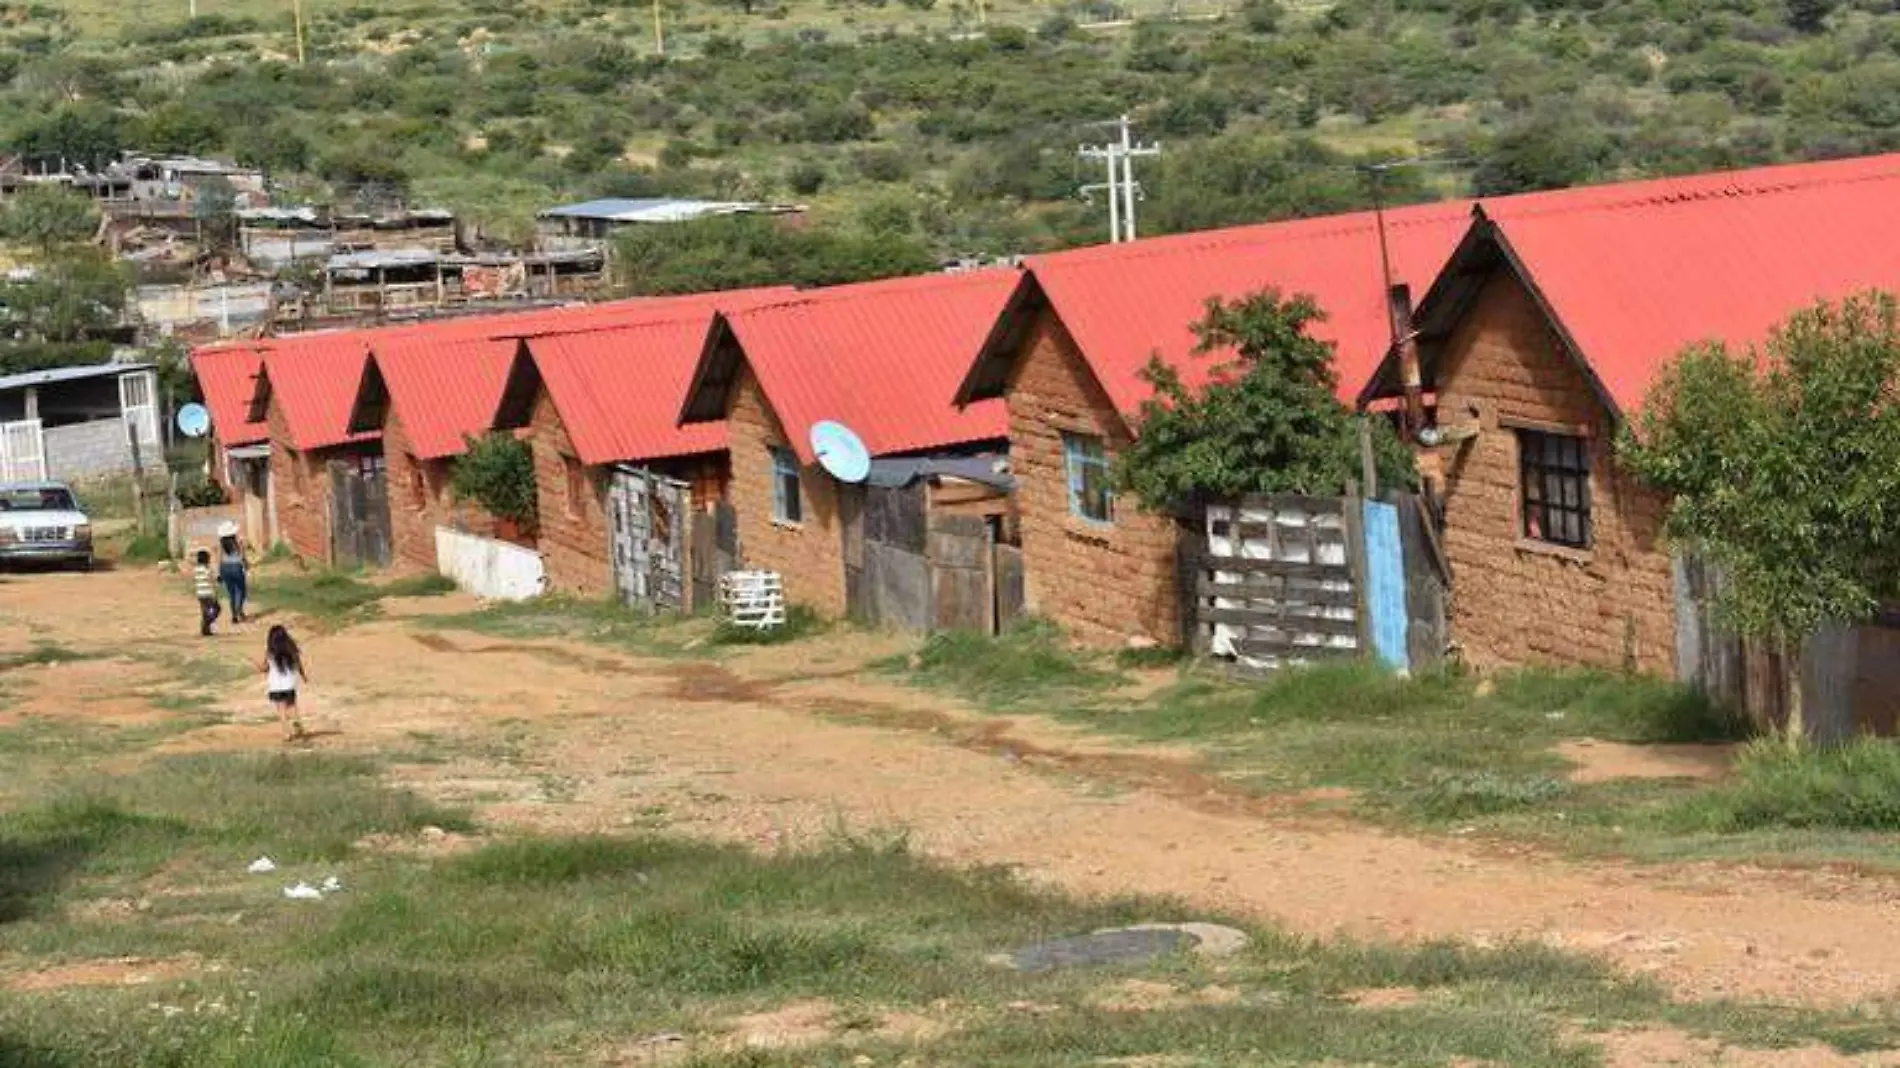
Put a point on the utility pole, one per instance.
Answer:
(296, 14)
(659, 31)
(1403, 337)
(1122, 188)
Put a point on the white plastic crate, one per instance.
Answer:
(753, 599)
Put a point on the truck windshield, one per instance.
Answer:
(36, 500)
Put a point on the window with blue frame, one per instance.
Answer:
(787, 506)
(1086, 462)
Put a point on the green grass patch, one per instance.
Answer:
(559, 950)
(1030, 662)
(1853, 787)
(145, 549)
(602, 622)
(337, 596)
(42, 654)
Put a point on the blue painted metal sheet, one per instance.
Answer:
(1385, 584)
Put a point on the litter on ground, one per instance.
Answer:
(262, 866)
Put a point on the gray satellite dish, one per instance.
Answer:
(840, 451)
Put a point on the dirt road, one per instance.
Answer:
(782, 745)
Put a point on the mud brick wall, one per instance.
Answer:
(420, 500)
(1516, 601)
(809, 555)
(573, 535)
(302, 484)
(1104, 584)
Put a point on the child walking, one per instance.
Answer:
(207, 593)
(284, 672)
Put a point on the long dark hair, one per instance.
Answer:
(229, 544)
(282, 649)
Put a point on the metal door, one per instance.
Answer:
(138, 406)
(359, 512)
(22, 451)
(647, 531)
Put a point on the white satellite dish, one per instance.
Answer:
(840, 451)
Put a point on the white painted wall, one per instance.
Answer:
(488, 568)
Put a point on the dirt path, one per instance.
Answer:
(785, 745)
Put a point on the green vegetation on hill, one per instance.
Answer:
(912, 125)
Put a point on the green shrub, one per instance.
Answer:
(1852, 787)
(497, 472)
(1029, 661)
(146, 549)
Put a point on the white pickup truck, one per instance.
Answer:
(41, 521)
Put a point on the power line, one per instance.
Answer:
(1123, 190)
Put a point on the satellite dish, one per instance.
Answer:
(840, 451)
(193, 420)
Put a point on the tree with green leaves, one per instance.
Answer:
(736, 251)
(1782, 468)
(497, 472)
(1269, 419)
(45, 217)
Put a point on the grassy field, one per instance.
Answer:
(1453, 754)
(652, 949)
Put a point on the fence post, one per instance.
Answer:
(1356, 560)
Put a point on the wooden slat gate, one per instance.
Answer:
(359, 513)
(1288, 579)
(647, 515)
(713, 552)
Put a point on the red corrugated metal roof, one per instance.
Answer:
(1126, 303)
(443, 389)
(618, 390)
(313, 378)
(1636, 272)
(227, 376)
(618, 383)
(883, 358)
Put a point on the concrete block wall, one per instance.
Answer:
(1514, 601)
(1103, 583)
(808, 555)
(98, 447)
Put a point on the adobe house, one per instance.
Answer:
(884, 359)
(305, 392)
(600, 400)
(1547, 327)
(240, 446)
(1069, 374)
(427, 394)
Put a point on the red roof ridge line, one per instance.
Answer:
(1362, 221)
(1667, 197)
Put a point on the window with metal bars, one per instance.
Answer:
(1554, 473)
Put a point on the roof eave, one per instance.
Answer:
(709, 394)
(989, 373)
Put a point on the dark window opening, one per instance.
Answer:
(1554, 472)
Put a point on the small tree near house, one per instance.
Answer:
(1269, 421)
(1782, 464)
(497, 472)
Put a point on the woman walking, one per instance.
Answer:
(233, 571)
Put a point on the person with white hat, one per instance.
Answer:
(233, 569)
